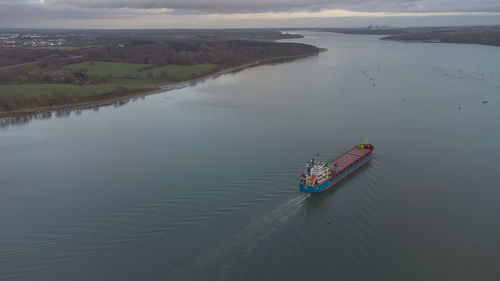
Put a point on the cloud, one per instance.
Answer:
(28, 13)
(251, 6)
(200, 5)
(239, 13)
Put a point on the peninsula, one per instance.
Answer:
(55, 69)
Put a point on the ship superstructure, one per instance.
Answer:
(320, 176)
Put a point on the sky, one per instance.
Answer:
(103, 14)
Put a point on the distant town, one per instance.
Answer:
(16, 40)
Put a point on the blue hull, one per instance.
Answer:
(330, 183)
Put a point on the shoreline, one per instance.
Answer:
(435, 41)
(159, 89)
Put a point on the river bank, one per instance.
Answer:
(158, 88)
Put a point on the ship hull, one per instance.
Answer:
(330, 183)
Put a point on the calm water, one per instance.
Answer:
(200, 183)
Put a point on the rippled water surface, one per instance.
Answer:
(200, 183)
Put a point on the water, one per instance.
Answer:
(200, 183)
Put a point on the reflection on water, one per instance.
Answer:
(20, 120)
(60, 113)
(23, 119)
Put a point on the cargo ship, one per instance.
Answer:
(320, 176)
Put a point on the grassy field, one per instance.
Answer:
(141, 71)
(33, 90)
(122, 79)
(181, 72)
(115, 69)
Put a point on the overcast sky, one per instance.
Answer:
(244, 13)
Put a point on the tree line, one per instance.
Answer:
(190, 52)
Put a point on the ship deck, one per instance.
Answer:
(348, 158)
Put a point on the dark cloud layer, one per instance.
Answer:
(177, 13)
(238, 6)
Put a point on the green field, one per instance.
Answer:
(140, 71)
(181, 72)
(122, 79)
(115, 69)
(33, 90)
